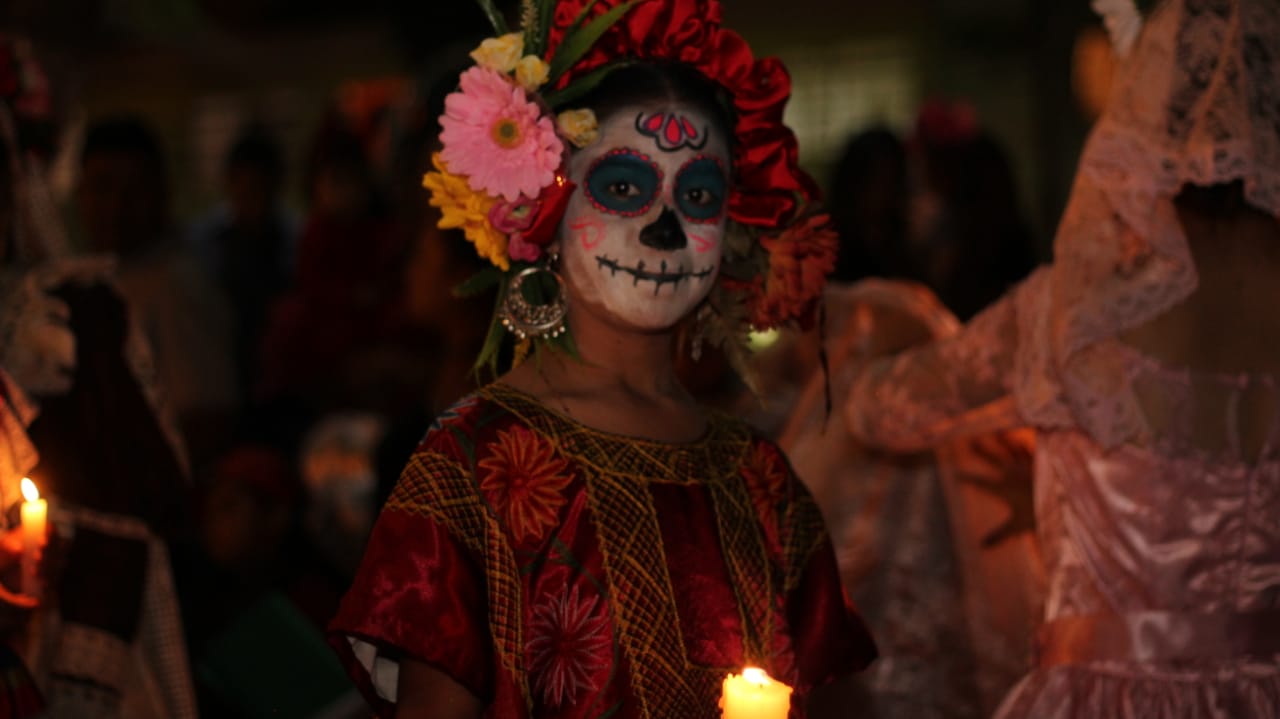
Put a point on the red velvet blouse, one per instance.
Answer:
(558, 571)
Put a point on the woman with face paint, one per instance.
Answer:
(580, 538)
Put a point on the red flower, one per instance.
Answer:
(550, 210)
(800, 258)
(570, 645)
(523, 481)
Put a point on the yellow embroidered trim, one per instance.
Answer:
(439, 488)
(617, 471)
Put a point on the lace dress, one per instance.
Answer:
(1162, 552)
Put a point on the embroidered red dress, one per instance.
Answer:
(558, 571)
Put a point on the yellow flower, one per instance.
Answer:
(578, 126)
(465, 209)
(500, 53)
(532, 72)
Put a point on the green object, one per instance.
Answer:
(271, 662)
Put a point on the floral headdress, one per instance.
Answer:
(501, 177)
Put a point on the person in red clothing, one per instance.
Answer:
(580, 538)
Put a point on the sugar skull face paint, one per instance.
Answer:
(642, 237)
(672, 130)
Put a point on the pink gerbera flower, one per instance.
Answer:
(500, 140)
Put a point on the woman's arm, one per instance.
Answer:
(428, 693)
(960, 386)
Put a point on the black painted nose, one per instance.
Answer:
(665, 233)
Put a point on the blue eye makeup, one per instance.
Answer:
(623, 182)
(700, 190)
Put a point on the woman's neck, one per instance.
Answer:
(614, 357)
(623, 382)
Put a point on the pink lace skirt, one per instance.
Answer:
(1120, 691)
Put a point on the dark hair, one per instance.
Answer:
(648, 81)
(125, 133)
(1223, 200)
(256, 149)
(872, 236)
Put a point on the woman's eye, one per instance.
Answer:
(624, 189)
(699, 196)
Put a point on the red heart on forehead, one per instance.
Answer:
(672, 130)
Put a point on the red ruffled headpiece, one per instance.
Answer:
(769, 185)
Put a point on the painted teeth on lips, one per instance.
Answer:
(659, 278)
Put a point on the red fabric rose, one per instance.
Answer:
(552, 203)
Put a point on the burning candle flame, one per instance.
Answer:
(755, 675)
(29, 491)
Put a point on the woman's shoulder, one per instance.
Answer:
(466, 423)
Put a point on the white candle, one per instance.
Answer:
(754, 695)
(35, 514)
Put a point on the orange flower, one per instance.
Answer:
(800, 258)
(524, 480)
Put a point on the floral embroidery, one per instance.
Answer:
(766, 480)
(570, 642)
(523, 480)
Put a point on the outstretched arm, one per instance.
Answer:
(428, 693)
(960, 386)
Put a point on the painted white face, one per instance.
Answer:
(641, 240)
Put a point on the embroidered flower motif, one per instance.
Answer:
(465, 209)
(579, 126)
(500, 54)
(800, 258)
(570, 644)
(523, 481)
(532, 72)
(497, 138)
(766, 480)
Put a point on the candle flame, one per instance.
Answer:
(29, 491)
(756, 675)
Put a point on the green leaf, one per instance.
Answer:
(478, 283)
(498, 22)
(561, 98)
(488, 358)
(546, 16)
(580, 39)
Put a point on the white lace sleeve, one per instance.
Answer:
(959, 386)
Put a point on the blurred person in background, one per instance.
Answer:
(868, 197)
(123, 203)
(37, 349)
(248, 244)
(967, 238)
(254, 577)
(105, 641)
(1145, 358)
(936, 547)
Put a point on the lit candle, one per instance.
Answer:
(754, 695)
(35, 513)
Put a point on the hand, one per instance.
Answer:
(37, 346)
(1005, 474)
(11, 549)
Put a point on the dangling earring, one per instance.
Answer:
(527, 320)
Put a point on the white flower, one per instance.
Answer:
(1123, 22)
